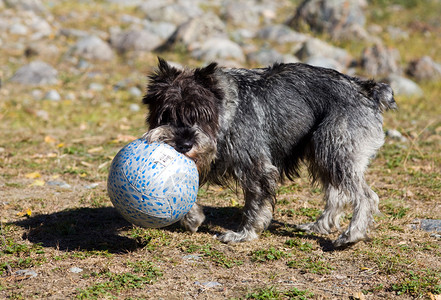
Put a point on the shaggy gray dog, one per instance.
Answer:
(255, 127)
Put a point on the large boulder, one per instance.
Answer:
(379, 60)
(338, 18)
(196, 30)
(135, 40)
(93, 48)
(424, 69)
(35, 73)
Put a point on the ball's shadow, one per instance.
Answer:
(80, 229)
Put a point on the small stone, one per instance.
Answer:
(134, 107)
(208, 284)
(52, 95)
(97, 87)
(18, 29)
(26, 273)
(395, 135)
(76, 270)
(37, 94)
(135, 92)
(192, 257)
(91, 186)
(59, 183)
(429, 225)
(404, 86)
(42, 114)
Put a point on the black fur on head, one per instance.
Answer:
(183, 98)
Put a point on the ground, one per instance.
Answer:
(55, 213)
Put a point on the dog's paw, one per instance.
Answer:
(313, 227)
(347, 239)
(193, 219)
(237, 237)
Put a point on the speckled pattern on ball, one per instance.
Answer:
(152, 185)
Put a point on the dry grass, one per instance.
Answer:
(51, 229)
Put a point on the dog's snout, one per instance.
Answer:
(184, 147)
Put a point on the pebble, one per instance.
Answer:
(75, 270)
(395, 135)
(134, 107)
(135, 92)
(208, 284)
(97, 87)
(192, 257)
(59, 183)
(429, 225)
(18, 29)
(26, 272)
(91, 186)
(52, 95)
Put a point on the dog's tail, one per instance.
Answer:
(382, 93)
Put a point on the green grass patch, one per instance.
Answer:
(273, 293)
(311, 265)
(270, 254)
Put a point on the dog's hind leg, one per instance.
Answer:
(335, 200)
(259, 190)
(340, 153)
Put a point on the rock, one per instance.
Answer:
(33, 5)
(424, 69)
(195, 31)
(241, 13)
(208, 284)
(71, 32)
(134, 107)
(162, 29)
(281, 34)
(91, 186)
(41, 28)
(218, 48)
(334, 17)
(265, 57)
(403, 86)
(59, 183)
(26, 273)
(75, 270)
(429, 225)
(135, 92)
(316, 48)
(35, 73)
(395, 135)
(397, 33)
(126, 2)
(135, 40)
(92, 47)
(96, 87)
(192, 257)
(170, 11)
(379, 60)
(18, 29)
(324, 62)
(52, 95)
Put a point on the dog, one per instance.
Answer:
(255, 127)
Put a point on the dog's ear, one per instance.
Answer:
(165, 71)
(205, 76)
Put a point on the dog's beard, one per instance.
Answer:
(202, 151)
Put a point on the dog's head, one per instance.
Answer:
(184, 107)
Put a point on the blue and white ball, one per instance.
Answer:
(152, 185)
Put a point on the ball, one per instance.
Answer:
(151, 184)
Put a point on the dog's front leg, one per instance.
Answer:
(193, 219)
(259, 206)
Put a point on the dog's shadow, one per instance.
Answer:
(89, 229)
